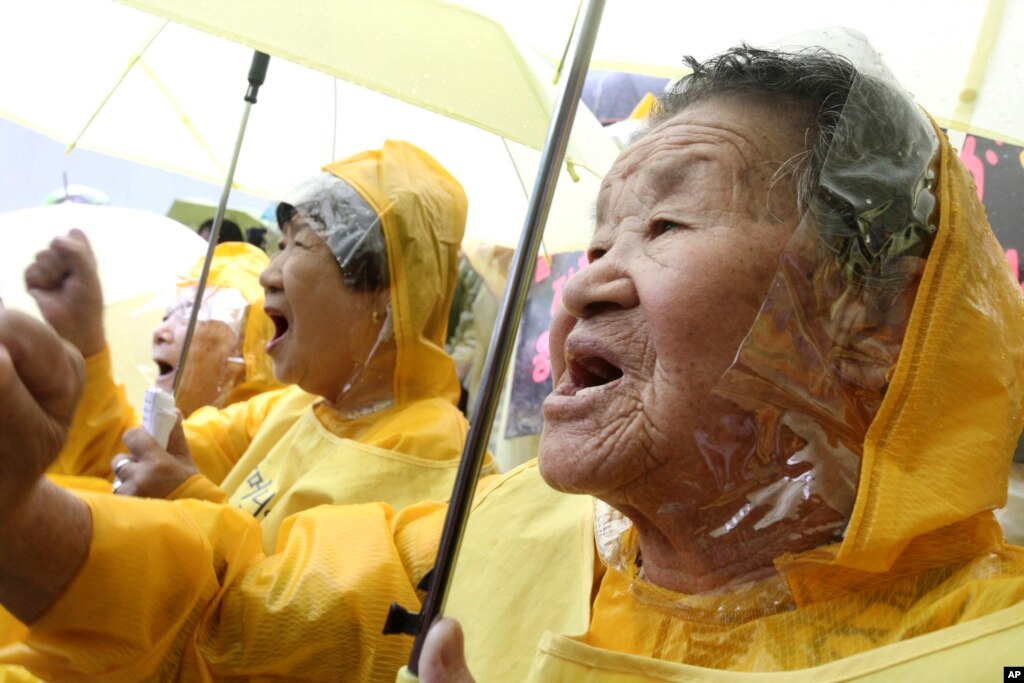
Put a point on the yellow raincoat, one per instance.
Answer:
(921, 587)
(105, 413)
(286, 451)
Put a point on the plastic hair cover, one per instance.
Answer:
(352, 230)
(782, 433)
(347, 223)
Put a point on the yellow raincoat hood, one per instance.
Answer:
(938, 452)
(422, 212)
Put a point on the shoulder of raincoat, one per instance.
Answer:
(104, 412)
(922, 585)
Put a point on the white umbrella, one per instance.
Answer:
(140, 255)
(962, 60)
(179, 105)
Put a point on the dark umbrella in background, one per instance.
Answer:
(612, 95)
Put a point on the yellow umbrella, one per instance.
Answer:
(179, 102)
(435, 54)
(962, 60)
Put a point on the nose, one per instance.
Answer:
(604, 285)
(270, 278)
(164, 332)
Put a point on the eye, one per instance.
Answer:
(661, 226)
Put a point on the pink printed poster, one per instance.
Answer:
(998, 172)
(531, 381)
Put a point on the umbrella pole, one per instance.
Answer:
(257, 74)
(500, 351)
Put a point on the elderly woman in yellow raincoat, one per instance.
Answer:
(787, 390)
(229, 364)
(354, 301)
(357, 301)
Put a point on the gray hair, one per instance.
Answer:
(866, 175)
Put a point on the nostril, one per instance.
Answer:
(598, 307)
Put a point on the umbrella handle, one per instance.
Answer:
(257, 74)
(503, 338)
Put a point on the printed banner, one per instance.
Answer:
(531, 381)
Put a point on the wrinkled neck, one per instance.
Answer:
(676, 549)
(368, 389)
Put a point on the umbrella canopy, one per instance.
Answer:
(961, 60)
(140, 255)
(434, 54)
(194, 211)
(76, 194)
(178, 106)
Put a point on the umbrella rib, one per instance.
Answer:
(987, 37)
(185, 120)
(568, 42)
(128, 67)
(526, 193)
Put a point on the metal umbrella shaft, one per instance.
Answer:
(500, 350)
(257, 74)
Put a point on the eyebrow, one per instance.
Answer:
(668, 176)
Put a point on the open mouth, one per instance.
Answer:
(280, 325)
(165, 373)
(590, 372)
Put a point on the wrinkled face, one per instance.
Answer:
(324, 330)
(688, 238)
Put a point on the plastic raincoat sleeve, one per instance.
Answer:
(196, 597)
(217, 437)
(102, 416)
